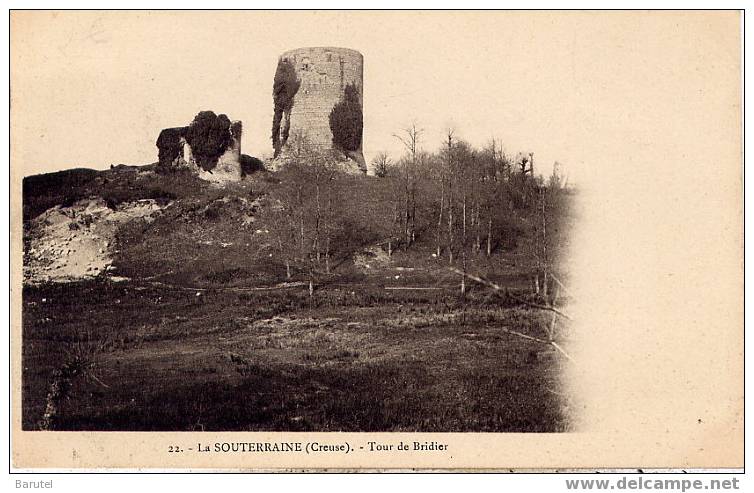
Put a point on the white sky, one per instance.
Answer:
(94, 88)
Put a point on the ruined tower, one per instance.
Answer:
(175, 151)
(303, 105)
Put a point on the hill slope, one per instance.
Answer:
(129, 221)
(205, 331)
(136, 223)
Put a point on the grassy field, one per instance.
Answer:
(356, 357)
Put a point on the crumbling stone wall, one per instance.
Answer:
(170, 145)
(323, 73)
(174, 151)
(229, 164)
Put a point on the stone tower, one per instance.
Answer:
(322, 75)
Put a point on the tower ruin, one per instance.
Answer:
(309, 83)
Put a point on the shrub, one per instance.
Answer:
(169, 146)
(250, 164)
(347, 121)
(160, 195)
(381, 165)
(40, 192)
(284, 89)
(209, 136)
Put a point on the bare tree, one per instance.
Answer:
(410, 138)
(323, 170)
(283, 231)
(522, 161)
(451, 177)
(442, 205)
(557, 179)
(544, 259)
(382, 164)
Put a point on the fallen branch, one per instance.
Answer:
(287, 285)
(548, 389)
(414, 288)
(526, 336)
(94, 377)
(551, 343)
(556, 346)
(562, 286)
(477, 279)
(157, 275)
(497, 287)
(540, 306)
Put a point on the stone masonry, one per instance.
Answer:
(323, 73)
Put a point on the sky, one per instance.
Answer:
(92, 89)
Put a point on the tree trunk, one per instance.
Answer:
(450, 234)
(406, 212)
(463, 276)
(463, 289)
(544, 283)
(287, 269)
(316, 222)
(393, 232)
(489, 236)
(301, 221)
(406, 231)
(478, 244)
(464, 218)
(451, 177)
(463, 248)
(545, 260)
(439, 219)
(450, 225)
(327, 224)
(413, 215)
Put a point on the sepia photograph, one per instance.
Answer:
(434, 226)
(294, 276)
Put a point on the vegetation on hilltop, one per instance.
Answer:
(347, 121)
(40, 192)
(116, 185)
(169, 146)
(454, 206)
(284, 88)
(209, 135)
(457, 205)
(311, 299)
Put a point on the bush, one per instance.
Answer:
(347, 120)
(40, 192)
(209, 136)
(160, 195)
(250, 164)
(284, 89)
(169, 146)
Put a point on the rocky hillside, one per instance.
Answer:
(77, 242)
(131, 221)
(172, 227)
